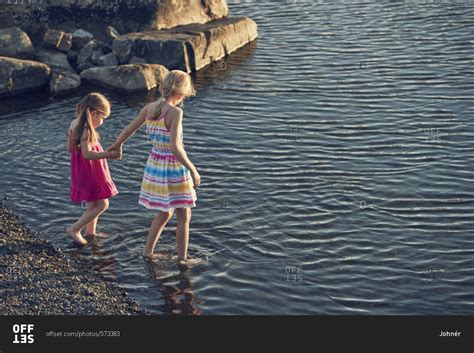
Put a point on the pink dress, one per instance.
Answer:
(90, 179)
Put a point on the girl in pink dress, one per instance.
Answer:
(90, 177)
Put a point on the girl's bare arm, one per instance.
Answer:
(175, 141)
(91, 155)
(130, 129)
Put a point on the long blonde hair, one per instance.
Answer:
(175, 81)
(92, 102)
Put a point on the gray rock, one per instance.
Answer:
(106, 48)
(188, 48)
(92, 51)
(15, 43)
(85, 54)
(111, 33)
(54, 59)
(62, 83)
(19, 76)
(108, 60)
(96, 54)
(127, 78)
(58, 40)
(137, 60)
(123, 47)
(80, 38)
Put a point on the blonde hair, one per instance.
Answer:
(92, 102)
(175, 81)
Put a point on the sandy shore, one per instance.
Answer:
(37, 279)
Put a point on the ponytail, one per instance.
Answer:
(158, 108)
(85, 122)
(93, 101)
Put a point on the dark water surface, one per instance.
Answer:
(336, 155)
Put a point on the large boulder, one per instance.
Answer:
(19, 76)
(126, 78)
(188, 48)
(80, 38)
(92, 15)
(54, 59)
(170, 14)
(62, 83)
(15, 43)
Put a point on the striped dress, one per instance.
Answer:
(167, 184)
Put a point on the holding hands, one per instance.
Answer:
(115, 151)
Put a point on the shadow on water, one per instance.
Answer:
(219, 71)
(36, 100)
(176, 290)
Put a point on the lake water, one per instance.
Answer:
(336, 155)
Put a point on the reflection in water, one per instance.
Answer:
(99, 260)
(178, 296)
(217, 72)
(221, 70)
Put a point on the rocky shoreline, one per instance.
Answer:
(37, 278)
(59, 57)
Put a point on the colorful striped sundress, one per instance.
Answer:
(167, 184)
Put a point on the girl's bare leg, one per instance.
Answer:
(182, 232)
(88, 216)
(155, 231)
(92, 225)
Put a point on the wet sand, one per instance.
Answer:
(37, 279)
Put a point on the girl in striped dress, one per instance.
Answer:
(170, 178)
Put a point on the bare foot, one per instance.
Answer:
(77, 237)
(185, 264)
